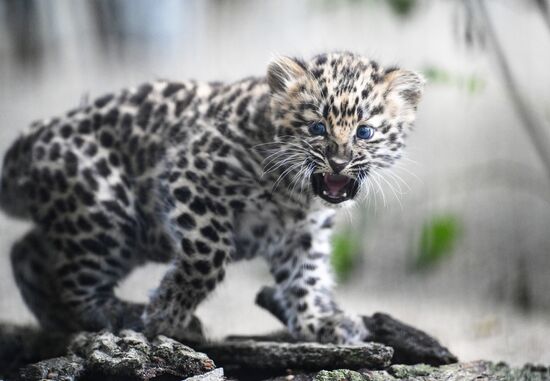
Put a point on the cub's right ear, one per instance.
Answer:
(283, 71)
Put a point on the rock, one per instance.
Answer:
(279, 356)
(66, 368)
(22, 345)
(131, 355)
(213, 375)
(410, 345)
(128, 355)
(477, 370)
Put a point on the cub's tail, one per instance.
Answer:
(15, 178)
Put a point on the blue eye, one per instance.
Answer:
(317, 128)
(365, 132)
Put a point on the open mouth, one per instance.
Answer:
(334, 188)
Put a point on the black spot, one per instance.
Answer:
(182, 162)
(210, 284)
(111, 118)
(203, 266)
(47, 137)
(186, 221)
(71, 203)
(101, 220)
(219, 257)
(55, 151)
(86, 279)
(192, 176)
(172, 88)
(71, 164)
(210, 233)
(187, 246)
(78, 141)
(106, 139)
(196, 283)
(84, 127)
(93, 246)
(377, 110)
(141, 94)
(121, 194)
(305, 241)
(182, 194)
(91, 150)
(103, 168)
(299, 292)
(61, 181)
(198, 206)
(107, 241)
(101, 102)
(200, 163)
(84, 225)
(220, 168)
(86, 197)
(237, 205)
(311, 281)
(66, 131)
(241, 107)
(259, 231)
(317, 73)
(218, 226)
(114, 159)
(44, 195)
(281, 276)
(96, 121)
(202, 247)
(321, 59)
(143, 115)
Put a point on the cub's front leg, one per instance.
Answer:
(200, 228)
(304, 285)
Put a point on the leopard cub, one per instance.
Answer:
(199, 175)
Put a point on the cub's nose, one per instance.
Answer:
(337, 164)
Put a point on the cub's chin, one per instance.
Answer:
(334, 188)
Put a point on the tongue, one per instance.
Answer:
(336, 184)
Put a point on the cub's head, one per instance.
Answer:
(338, 118)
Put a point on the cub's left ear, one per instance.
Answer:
(283, 72)
(406, 85)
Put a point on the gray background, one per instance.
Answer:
(469, 156)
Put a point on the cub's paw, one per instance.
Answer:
(336, 329)
(189, 331)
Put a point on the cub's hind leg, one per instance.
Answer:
(32, 259)
(84, 212)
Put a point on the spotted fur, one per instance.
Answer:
(199, 175)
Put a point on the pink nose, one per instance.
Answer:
(337, 164)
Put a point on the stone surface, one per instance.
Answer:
(410, 345)
(21, 345)
(59, 368)
(273, 356)
(478, 370)
(131, 356)
(213, 375)
(128, 356)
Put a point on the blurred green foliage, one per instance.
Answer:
(437, 240)
(471, 83)
(402, 7)
(345, 252)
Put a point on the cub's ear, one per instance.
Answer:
(405, 86)
(283, 71)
